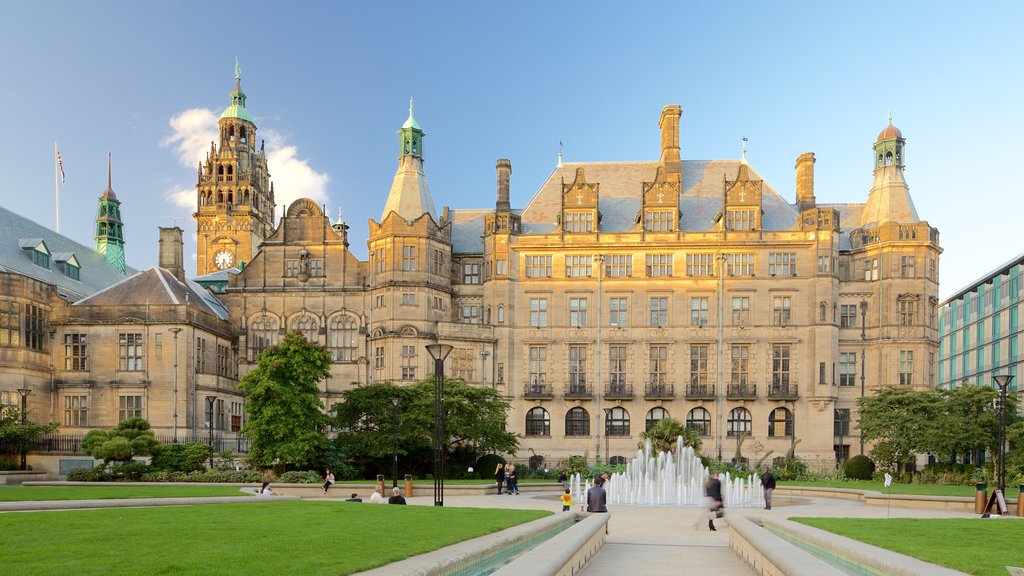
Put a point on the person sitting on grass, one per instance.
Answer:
(355, 498)
(376, 497)
(265, 490)
(396, 496)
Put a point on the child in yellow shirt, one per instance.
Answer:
(566, 501)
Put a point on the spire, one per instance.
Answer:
(560, 155)
(109, 192)
(109, 236)
(237, 107)
(743, 154)
(410, 196)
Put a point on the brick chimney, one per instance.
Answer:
(172, 252)
(669, 124)
(504, 168)
(805, 181)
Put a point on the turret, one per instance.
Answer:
(109, 227)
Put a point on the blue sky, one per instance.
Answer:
(329, 84)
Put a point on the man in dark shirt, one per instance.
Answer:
(768, 482)
(713, 489)
(596, 497)
(396, 496)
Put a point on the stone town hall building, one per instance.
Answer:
(620, 294)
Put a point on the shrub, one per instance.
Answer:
(860, 467)
(79, 474)
(130, 472)
(573, 464)
(185, 457)
(486, 465)
(301, 477)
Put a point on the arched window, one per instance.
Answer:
(654, 415)
(616, 460)
(780, 423)
(699, 419)
(617, 423)
(739, 421)
(577, 422)
(501, 313)
(306, 325)
(341, 340)
(538, 422)
(262, 335)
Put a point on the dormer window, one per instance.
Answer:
(739, 219)
(37, 251)
(579, 221)
(68, 263)
(658, 220)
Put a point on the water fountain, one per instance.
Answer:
(669, 479)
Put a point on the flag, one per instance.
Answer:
(888, 480)
(60, 165)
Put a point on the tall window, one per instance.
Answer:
(655, 415)
(76, 352)
(223, 360)
(617, 367)
(699, 419)
(700, 264)
(10, 323)
(501, 267)
(781, 308)
(619, 312)
(577, 266)
(463, 364)
(129, 352)
(782, 263)
(699, 365)
(408, 299)
(841, 422)
(699, 311)
(908, 312)
(469, 313)
(659, 265)
(617, 422)
(780, 423)
(739, 365)
(378, 358)
(780, 366)
(907, 265)
(437, 263)
(129, 407)
(158, 345)
(659, 311)
(307, 325)
(740, 310)
(201, 355)
(262, 335)
(538, 267)
(847, 368)
(539, 312)
(577, 422)
(618, 265)
(408, 258)
(658, 220)
(471, 273)
(538, 366)
(906, 367)
(577, 312)
(76, 411)
(847, 315)
(408, 363)
(341, 340)
(579, 222)
(739, 421)
(739, 219)
(577, 369)
(35, 320)
(871, 269)
(824, 264)
(658, 365)
(538, 422)
(739, 264)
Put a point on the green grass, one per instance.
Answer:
(39, 493)
(921, 489)
(254, 538)
(971, 545)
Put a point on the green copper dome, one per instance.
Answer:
(237, 107)
(411, 122)
(237, 111)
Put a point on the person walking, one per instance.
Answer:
(396, 496)
(499, 476)
(713, 489)
(563, 479)
(566, 501)
(328, 480)
(768, 482)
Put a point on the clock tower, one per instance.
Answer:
(235, 198)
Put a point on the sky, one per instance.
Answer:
(329, 84)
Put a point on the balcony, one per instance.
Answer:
(618, 392)
(578, 391)
(782, 392)
(700, 392)
(741, 392)
(538, 392)
(659, 391)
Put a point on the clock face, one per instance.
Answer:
(223, 259)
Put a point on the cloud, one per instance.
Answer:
(293, 177)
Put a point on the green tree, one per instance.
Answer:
(186, 457)
(966, 420)
(665, 434)
(16, 437)
(285, 415)
(130, 438)
(899, 422)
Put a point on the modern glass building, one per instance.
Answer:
(980, 329)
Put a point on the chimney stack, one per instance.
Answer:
(504, 168)
(805, 181)
(172, 252)
(669, 124)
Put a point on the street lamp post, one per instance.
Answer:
(599, 260)
(439, 352)
(483, 366)
(863, 353)
(210, 400)
(174, 399)
(1003, 380)
(24, 412)
(394, 443)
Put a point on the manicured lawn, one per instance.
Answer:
(257, 538)
(975, 546)
(922, 489)
(38, 493)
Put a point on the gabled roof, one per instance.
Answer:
(157, 286)
(18, 233)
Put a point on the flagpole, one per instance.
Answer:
(56, 182)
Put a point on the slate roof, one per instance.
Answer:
(157, 286)
(18, 232)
